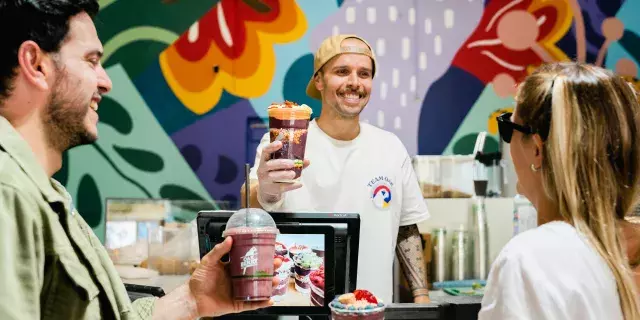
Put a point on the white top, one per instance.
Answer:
(550, 272)
(371, 175)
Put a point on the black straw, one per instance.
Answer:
(247, 192)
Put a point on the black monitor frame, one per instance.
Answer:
(290, 222)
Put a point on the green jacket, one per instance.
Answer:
(52, 266)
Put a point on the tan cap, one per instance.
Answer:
(330, 48)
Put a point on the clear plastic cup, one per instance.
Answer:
(375, 313)
(288, 123)
(251, 258)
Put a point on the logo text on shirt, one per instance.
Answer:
(381, 191)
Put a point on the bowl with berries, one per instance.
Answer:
(316, 283)
(357, 305)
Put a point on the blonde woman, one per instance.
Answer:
(575, 145)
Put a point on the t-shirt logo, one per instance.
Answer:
(381, 191)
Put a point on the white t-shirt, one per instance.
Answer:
(550, 272)
(371, 175)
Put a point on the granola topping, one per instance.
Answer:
(278, 134)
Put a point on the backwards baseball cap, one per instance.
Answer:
(331, 47)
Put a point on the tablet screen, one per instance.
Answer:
(301, 274)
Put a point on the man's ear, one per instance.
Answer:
(317, 79)
(538, 149)
(34, 65)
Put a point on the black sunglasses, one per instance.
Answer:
(506, 127)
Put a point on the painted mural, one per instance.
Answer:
(192, 79)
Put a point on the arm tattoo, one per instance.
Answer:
(409, 251)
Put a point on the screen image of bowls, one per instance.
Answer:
(316, 278)
(281, 249)
(294, 250)
(282, 274)
(303, 264)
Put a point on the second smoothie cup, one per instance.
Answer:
(288, 123)
(251, 257)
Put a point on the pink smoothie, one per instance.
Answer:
(251, 262)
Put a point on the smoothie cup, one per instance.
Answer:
(251, 257)
(288, 123)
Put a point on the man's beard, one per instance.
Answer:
(64, 118)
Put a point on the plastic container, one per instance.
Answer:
(251, 258)
(525, 216)
(445, 176)
(288, 123)
(374, 313)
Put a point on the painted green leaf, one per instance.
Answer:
(141, 159)
(172, 191)
(62, 175)
(89, 203)
(466, 144)
(114, 115)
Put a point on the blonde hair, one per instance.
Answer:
(589, 118)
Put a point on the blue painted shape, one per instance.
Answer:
(444, 107)
(222, 148)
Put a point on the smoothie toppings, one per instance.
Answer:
(358, 300)
(298, 248)
(287, 134)
(289, 104)
(280, 247)
(308, 260)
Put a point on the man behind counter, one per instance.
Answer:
(52, 266)
(355, 167)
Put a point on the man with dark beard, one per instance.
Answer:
(352, 167)
(52, 266)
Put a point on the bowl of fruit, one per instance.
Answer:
(358, 305)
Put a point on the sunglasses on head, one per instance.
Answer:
(506, 127)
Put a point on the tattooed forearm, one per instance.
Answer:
(409, 250)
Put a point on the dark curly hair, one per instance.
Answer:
(46, 22)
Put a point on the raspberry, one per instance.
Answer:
(365, 295)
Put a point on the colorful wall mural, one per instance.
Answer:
(192, 79)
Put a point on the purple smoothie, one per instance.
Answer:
(293, 135)
(251, 262)
(288, 123)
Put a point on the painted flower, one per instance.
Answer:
(230, 48)
(513, 35)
